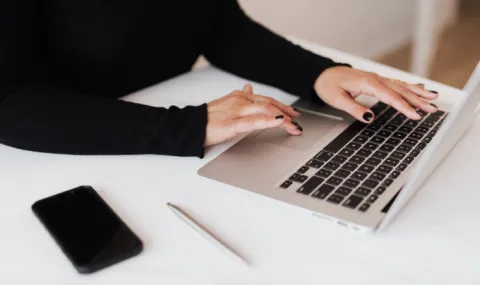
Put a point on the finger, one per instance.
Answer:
(420, 91)
(260, 108)
(256, 122)
(345, 102)
(389, 96)
(248, 88)
(413, 99)
(289, 110)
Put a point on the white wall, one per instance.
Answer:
(364, 27)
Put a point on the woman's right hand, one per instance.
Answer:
(242, 112)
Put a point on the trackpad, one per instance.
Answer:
(314, 128)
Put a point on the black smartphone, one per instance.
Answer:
(87, 230)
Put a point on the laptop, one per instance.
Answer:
(344, 171)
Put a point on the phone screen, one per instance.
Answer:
(87, 229)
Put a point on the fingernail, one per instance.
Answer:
(420, 84)
(300, 128)
(433, 91)
(367, 116)
(295, 123)
(279, 117)
(245, 87)
(421, 115)
(295, 109)
(433, 105)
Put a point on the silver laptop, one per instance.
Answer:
(344, 171)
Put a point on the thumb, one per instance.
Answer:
(345, 102)
(248, 88)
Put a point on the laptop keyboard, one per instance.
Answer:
(361, 162)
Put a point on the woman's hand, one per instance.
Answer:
(338, 86)
(243, 111)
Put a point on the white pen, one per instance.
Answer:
(206, 234)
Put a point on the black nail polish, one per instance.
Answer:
(279, 117)
(300, 128)
(433, 105)
(420, 113)
(296, 110)
(367, 116)
(433, 91)
(295, 123)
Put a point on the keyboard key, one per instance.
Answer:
(421, 146)
(398, 135)
(397, 155)
(408, 159)
(372, 198)
(390, 128)
(334, 180)
(393, 141)
(380, 190)
(364, 152)
(397, 121)
(323, 191)
(352, 202)
(339, 159)
(366, 168)
(346, 152)
(360, 139)
(298, 178)
(354, 145)
(377, 140)
(371, 146)
(387, 182)
(359, 176)
(378, 108)
(342, 173)
(387, 148)
(368, 133)
(374, 127)
(373, 161)
(350, 166)
(323, 173)
(415, 153)
(310, 185)
(402, 167)
(395, 175)
(424, 113)
(427, 140)
(286, 184)
(335, 199)
(314, 163)
(351, 183)
(411, 123)
(433, 118)
(405, 129)
(422, 130)
(432, 133)
(384, 133)
(404, 148)
(357, 159)
(392, 161)
(303, 169)
(380, 154)
(385, 168)
(323, 156)
(369, 183)
(363, 191)
(410, 142)
(349, 133)
(344, 191)
(378, 176)
(332, 165)
(364, 207)
(427, 124)
(416, 136)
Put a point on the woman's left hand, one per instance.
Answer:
(339, 86)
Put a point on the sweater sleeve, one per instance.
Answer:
(38, 113)
(243, 47)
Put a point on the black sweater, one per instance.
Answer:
(64, 63)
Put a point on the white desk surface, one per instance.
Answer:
(435, 240)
